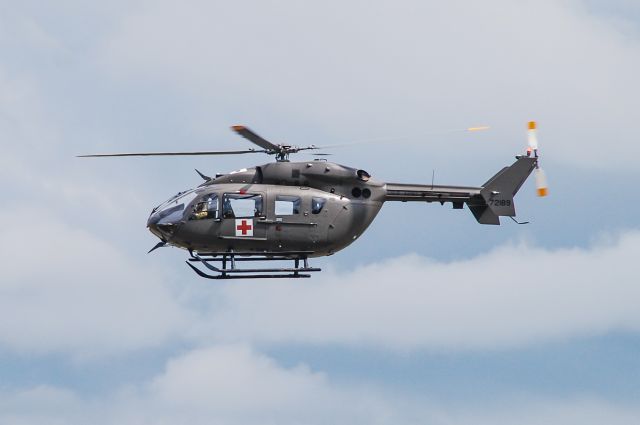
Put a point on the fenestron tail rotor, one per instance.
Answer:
(532, 148)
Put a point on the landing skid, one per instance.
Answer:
(232, 272)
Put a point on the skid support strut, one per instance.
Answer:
(234, 272)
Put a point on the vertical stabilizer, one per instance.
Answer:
(499, 190)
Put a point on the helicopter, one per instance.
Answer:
(293, 211)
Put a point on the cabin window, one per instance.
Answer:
(317, 204)
(241, 205)
(287, 205)
(206, 208)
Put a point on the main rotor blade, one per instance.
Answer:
(171, 153)
(254, 138)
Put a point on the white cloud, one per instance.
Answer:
(219, 384)
(369, 69)
(235, 385)
(230, 377)
(65, 290)
(23, 126)
(36, 166)
(512, 296)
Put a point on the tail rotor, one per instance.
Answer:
(532, 148)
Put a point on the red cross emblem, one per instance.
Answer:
(244, 227)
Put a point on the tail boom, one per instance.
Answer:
(487, 202)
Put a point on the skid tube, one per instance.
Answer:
(230, 258)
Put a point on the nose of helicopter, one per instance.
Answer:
(167, 218)
(164, 225)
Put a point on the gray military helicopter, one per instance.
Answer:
(292, 211)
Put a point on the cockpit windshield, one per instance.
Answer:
(171, 211)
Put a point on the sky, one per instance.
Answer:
(427, 318)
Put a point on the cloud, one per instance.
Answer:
(66, 290)
(233, 384)
(371, 69)
(232, 380)
(513, 296)
(217, 384)
(22, 124)
(37, 164)
(40, 404)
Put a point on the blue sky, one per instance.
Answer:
(427, 318)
